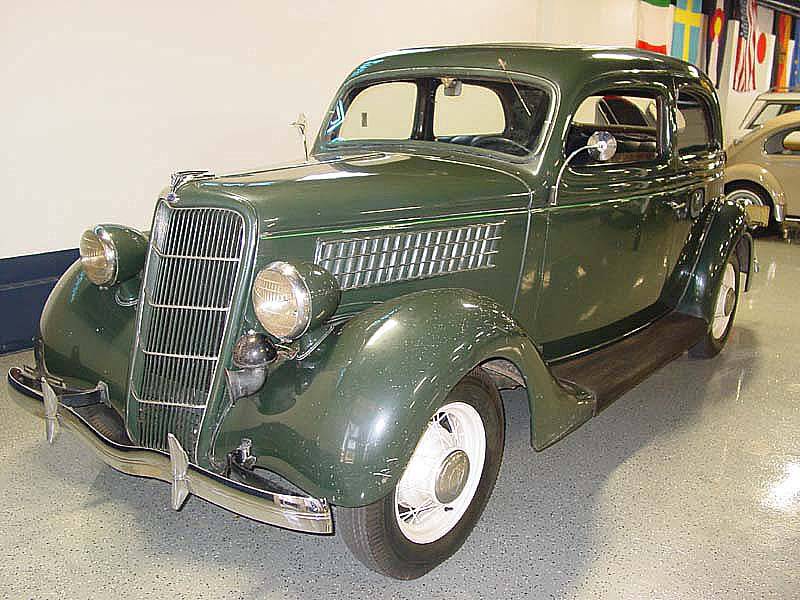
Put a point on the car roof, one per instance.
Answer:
(780, 96)
(567, 66)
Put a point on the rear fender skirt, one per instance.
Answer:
(343, 423)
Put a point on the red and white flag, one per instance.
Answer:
(744, 70)
(654, 25)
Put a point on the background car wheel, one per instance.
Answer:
(443, 490)
(750, 194)
(725, 304)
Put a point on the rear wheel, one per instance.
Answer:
(442, 492)
(725, 304)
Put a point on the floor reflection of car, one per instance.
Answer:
(767, 106)
(764, 168)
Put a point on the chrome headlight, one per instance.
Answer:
(290, 299)
(112, 254)
(98, 256)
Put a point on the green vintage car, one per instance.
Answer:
(322, 346)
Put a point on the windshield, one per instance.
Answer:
(772, 110)
(488, 114)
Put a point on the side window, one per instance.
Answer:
(694, 129)
(784, 142)
(384, 111)
(632, 117)
(477, 110)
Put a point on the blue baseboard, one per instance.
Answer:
(25, 283)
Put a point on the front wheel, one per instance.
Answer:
(725, 304)
(443, 491)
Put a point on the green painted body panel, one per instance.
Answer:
(87, 335)
(343, 423)
(612, 255)
(726, 225)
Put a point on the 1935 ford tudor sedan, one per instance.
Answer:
(321, 346)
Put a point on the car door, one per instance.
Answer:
(782, 159)
(608, 233)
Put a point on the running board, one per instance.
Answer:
(614, 369)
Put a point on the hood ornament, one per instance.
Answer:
(178, 178)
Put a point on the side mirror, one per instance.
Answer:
(301, 124)
(601, 146)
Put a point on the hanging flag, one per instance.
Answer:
(794, 75)
(686, 30)
(654, 25)
(717, 35)
(744, 70)
(765, 46)
(780, 69)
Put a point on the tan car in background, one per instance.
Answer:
(763, 168)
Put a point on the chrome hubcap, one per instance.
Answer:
(730, 300)
(452, 476)
(746, 197)
(726, 301)
(443, 474)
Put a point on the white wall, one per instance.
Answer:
(103, 100)
(604, 22)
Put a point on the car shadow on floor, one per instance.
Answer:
(541, 532)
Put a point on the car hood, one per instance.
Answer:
(347, 191)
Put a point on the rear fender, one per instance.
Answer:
(343, 423)
(726, 232)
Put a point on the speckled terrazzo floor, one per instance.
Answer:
(687, 487)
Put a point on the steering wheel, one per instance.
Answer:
(497, 140)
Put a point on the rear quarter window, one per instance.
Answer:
(694, 132)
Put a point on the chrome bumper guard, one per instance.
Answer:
(59, 405)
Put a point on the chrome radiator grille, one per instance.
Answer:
(367, 261)
(190, 279)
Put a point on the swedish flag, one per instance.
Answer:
(687, 29)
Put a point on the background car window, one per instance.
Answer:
(477, 110)
(381, 112)
(770, 111)
(632, 118)
(693, 133)
(784, 142)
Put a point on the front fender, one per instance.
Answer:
(725, 231)
(343, 423)
(88, 335)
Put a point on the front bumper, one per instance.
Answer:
(46, 397)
